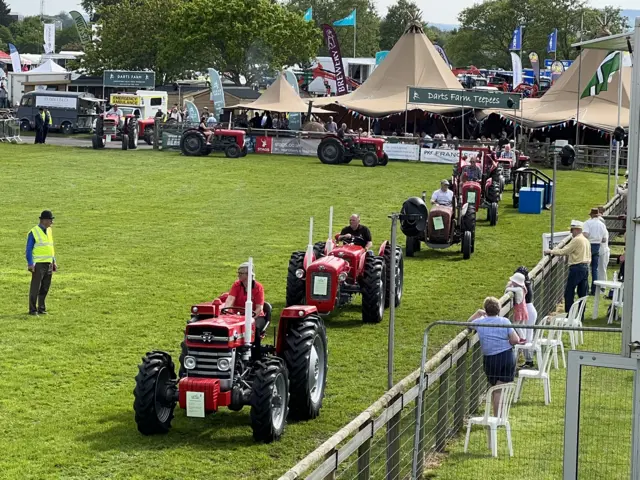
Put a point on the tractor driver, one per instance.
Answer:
(238, 295)
(355, 229)
(443, 196)
(116, 111)
(471, 172)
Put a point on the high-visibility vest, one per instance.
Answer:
(43, 248)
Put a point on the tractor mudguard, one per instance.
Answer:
(291, 314)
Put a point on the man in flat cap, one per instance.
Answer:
(41, 262)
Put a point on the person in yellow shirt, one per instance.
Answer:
(579, 252)
(41, 262)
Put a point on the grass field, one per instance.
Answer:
(140, 236)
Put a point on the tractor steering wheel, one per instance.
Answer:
(356, 240)
(235, 311)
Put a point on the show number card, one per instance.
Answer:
(438, 224)
(471, 197)
(320, 286)
(195, 404)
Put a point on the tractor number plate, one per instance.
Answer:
(320, 285)
(195, 404)
(438, 224)
(471, 197)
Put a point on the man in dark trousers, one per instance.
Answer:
(39, 125)
(48, 122)
(41, 262)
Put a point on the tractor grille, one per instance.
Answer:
(207, 363)
(208, 335)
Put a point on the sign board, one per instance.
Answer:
(566, 63)
(56, 102)
(439, 155)
(170, 141)
(463, 98)
(402, 151)
(120, 78)
(295, 146)
(125, 100)
(557, 238)
(263, 145)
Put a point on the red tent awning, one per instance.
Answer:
(4, 56)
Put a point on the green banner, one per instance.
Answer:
(295, 118)
(119, 78)
(217, 93)
(463, 98)
(84, 32)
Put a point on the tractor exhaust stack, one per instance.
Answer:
(330, 244)
(309, 255)
(248, 306)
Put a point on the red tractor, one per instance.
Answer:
(110, 127)
(510, 161)
(327, 276)
(483, 192)
(194, 143)
(441, 227)
(224, 364)
(334, 150)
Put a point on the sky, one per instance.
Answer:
(446, 12)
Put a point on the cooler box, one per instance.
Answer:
(530, 200)
(548, 192)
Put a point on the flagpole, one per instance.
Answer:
(354, 39)
(579, 94)
(619, 109)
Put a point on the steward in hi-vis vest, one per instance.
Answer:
(41, 262)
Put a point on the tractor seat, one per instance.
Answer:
(263, 321)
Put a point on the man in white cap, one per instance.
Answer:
(442, 196)
(579, 252)
(595, 231)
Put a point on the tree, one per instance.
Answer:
(328, 11)
(67, 37)
(92, 6)
(5, 20)
(394, 24)
(28, 35)
(5, 38)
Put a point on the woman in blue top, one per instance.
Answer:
(496, 345)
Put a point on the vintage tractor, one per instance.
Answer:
(231, 142)
(334, 150)
(483, 193)
(224, 364)
(111, 127)
(441, 227)
(327, 276)
(509, 161)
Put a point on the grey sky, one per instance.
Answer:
(446, 12)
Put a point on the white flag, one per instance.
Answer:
(516, 65)
(15, 58)
(49, 38)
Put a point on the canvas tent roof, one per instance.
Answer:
(48, 67)
(559, 104)
(621, 41)
(413, 61)
(280, 97)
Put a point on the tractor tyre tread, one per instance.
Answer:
(373, 289)
(296, 287)
(266, 371)
(400, 266)
(144, 393)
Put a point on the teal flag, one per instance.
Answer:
(217, 93)
(81, 26)
(295, 118)
(380, 56)
(192, 112)
(348, 21)
(308, 15)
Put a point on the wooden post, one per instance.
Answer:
(364, 455)
(443, 411)
(461, 387)
(156, 133)
(476, 378)
(423, 428)
(331, 475)
(393, 444)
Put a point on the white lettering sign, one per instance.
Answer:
(402, 151)
(56, 102)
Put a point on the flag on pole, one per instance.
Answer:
(49, 38)
(516, 39)
(84, 32)
(15, 58)
(552, 41)
(348, 21)
(516, 65)
(604, 74)
(308, 15)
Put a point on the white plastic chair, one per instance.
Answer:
(502, 420)
(542, 373)
(534, 344)
(551, 339)
(616, 305)
(573, 319)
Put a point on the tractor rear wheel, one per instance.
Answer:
(373, 290)
(99, 130)
(305, 354)
(125, 141)
(331, 151)
(148, 135)
(369, 159)
(97, 142)
(318, 249)
(467, 241)
(384, 161)
(493, 214)
(412, 246)
(398, 277)
(193, 144)
(233, 151)
(133, 133)
(296, 287)
(155, 393)
(182, 372)
(269, 400)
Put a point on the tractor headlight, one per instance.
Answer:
(342, 277)
(224, 364)
(189, 363)
(194, 309)
(300, 273)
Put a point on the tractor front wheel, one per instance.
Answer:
(385, 159)
(369, 159)
(318, 249)
(148, 135)
(244, 151)
(373, 290)
(493, 214)
(331, 151)
(467, 242)
(398, 277)
(296, 288)
(305, 354)
(233, 151)
(97, 142)
(154, 393)
(133, 134)
(125, 141)
(269, 400)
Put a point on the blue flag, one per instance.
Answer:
(348, 21)
(308, 15)
(380, 56)
(552, 41)
(516, 39)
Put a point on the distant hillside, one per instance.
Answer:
(447, 26)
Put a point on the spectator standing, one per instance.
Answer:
(3, 97)
(256, 121)
(48, 122)
(532, 315)
(605, 251)
(211, 120)
(496, 345)
(332, 127)
(595, 231)
(579, 252)
(269, 122)
(39, 125)
(41, 262)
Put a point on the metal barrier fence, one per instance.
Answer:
(10, 130)
(407, 433)
(588, 157)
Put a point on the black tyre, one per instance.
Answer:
(193, 143)
(410, 248)
(148, 135)
(97, 142)
(373, 290)
(269, 399)
(99, 130)
(516, 198)
(182, 372)
(384, 161)
(346, 160)
(296, 287)
(398, 277)
(154, 394)
(467, 242)
(233, 151)
(25, 125)
(493, 214)
(67, 128)
(125, 141)
(318, 249)
(369, 159)
(305, 355)
(244, 151)
(133, 133)
(331, 151)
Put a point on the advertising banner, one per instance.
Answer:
(263, 145)
(84, 33)
(295, 146)
(402, 151)
(439, 155)
(118, 78)
(295, 118)
(535, 65)
(192, 112)
(56, 102)
(217, 93)
(462, 98)
(49, 38)
(131, 100)
(334, 52)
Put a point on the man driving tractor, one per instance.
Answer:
(355, 230)
(442, 196)
(471, 172)
(238, 295)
